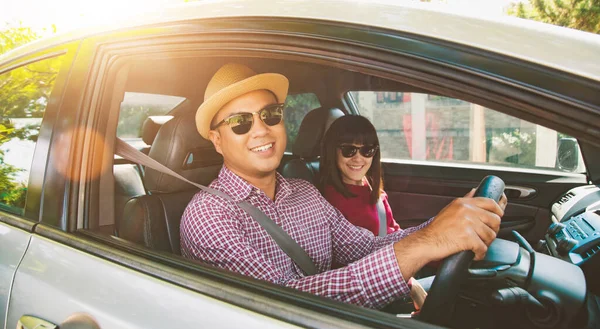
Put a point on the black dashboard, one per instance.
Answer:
(574, 235)
(552, 285)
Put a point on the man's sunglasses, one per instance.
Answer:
(367, 151)
(241, 123)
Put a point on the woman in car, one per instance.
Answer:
(351, 177)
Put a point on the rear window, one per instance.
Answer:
(296, 108)
(136, 108)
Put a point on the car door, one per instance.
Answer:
(55, 281)
(13, 244)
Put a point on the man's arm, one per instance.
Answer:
(373, 281)
(351, 243)
(465, 224)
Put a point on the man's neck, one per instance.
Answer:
(266, 183)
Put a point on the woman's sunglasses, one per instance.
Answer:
(241, 123)
(368, 151)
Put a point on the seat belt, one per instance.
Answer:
(283, 240)
(382, 218)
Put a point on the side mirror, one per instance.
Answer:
(567, 156)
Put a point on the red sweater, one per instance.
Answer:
(358, 210)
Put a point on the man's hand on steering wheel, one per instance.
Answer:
(478, 219)
(468, 223)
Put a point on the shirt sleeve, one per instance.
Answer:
(373, 281)
(359, 248)
(351, 243)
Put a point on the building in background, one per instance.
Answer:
(435, 128)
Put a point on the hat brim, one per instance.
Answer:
(274, 82)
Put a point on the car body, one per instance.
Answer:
(59, 251)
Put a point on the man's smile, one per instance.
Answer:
(262, 148)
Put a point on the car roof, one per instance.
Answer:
(552, 46)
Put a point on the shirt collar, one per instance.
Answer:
(283, 187)
(239, 189)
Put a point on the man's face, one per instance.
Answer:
(258, 152)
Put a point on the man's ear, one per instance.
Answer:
(215, 138)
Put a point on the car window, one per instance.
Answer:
(136, 108)
(416, 126)
(23, 100)
(296, 108)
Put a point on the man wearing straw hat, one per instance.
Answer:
(242, 116)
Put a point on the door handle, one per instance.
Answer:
(521, 225)
(75, 321)
(32, 322)
(519, 192)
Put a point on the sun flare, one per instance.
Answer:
(67, 15)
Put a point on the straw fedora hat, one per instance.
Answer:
(231, 81)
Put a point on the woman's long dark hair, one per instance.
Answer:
(349, 129)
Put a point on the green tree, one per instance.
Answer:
(24, 94)
(577, 14)
(11, 193)
(13, 37)
(513, 140)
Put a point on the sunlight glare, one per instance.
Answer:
(69, 15)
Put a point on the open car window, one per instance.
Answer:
(425, 127)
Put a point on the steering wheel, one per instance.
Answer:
(441, 299)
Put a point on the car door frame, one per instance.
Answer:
(17, 230)
(471, 75)
(387, 70)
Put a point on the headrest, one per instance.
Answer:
(312, 130)
(152, 125)
(179, 147)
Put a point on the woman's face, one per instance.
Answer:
(354, 168)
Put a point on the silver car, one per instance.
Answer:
(454, 98)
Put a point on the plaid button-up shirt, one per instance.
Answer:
(218, 232)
